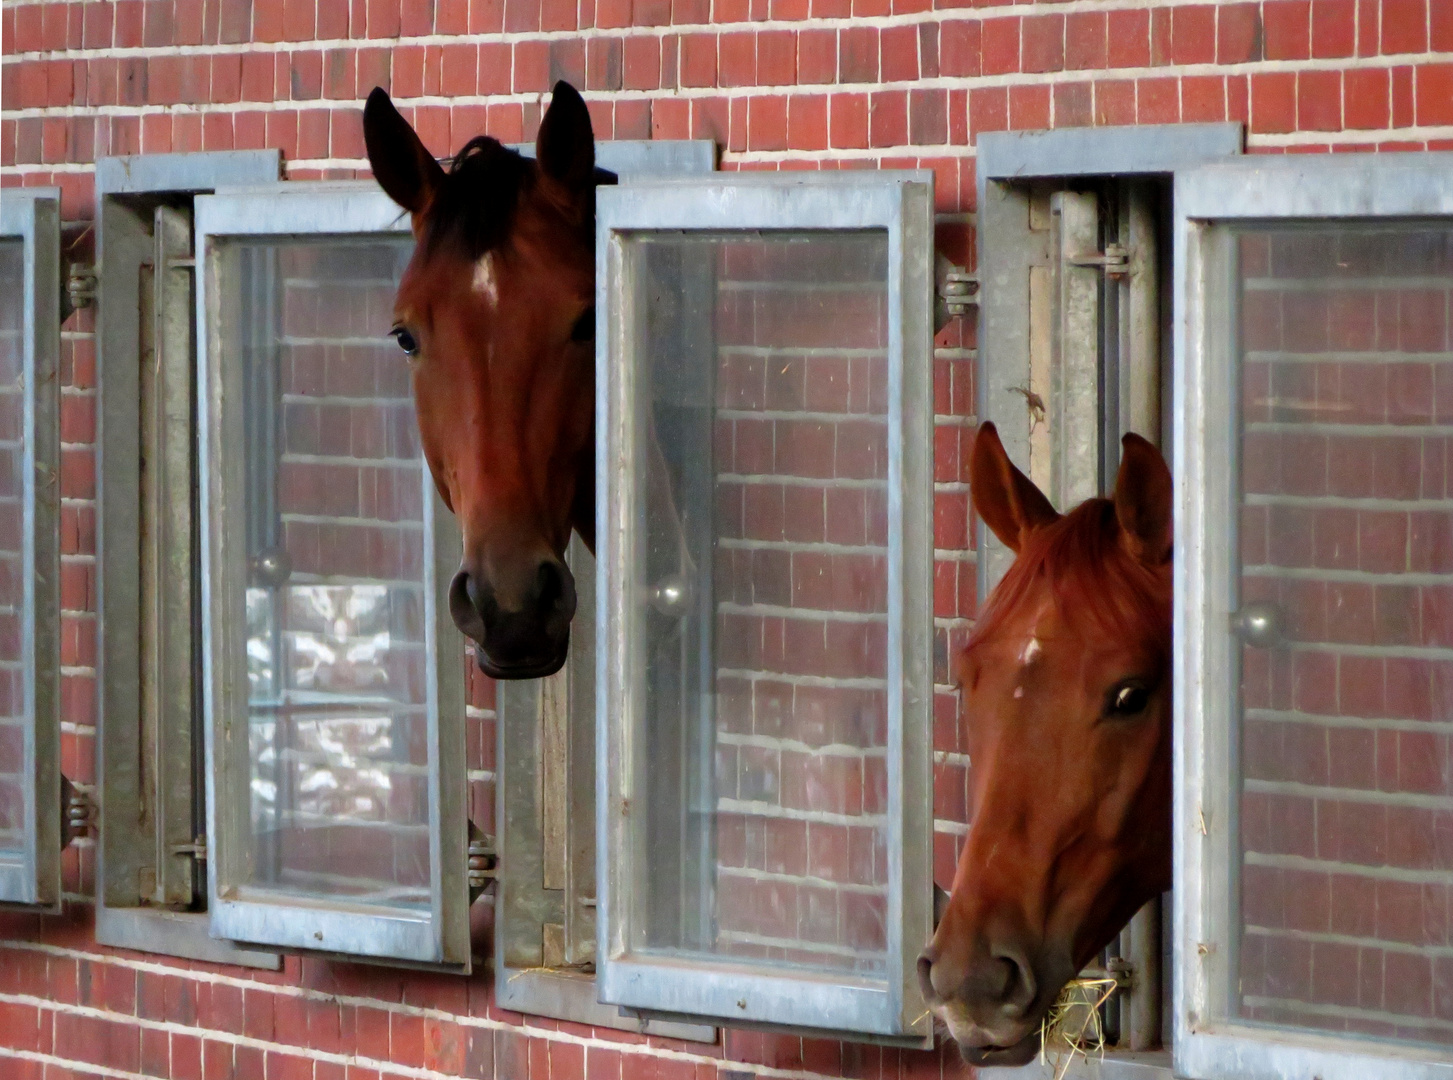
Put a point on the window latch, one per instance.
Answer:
(197, 849)
(1114, 260)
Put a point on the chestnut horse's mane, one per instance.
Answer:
(1097, 585)
(475, 203)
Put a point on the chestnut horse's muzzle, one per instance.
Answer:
(528, 641)
(991, 998)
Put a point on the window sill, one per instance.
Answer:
(175, 933)
(1152, 1065)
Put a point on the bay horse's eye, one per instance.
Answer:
(584, 328)
(1128, 699)
(406, 340)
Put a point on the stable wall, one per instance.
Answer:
(786, 84)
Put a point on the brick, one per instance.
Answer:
(1043, 43)
(1157, 101)
(959, 52)
(1334, 28)
(1404, 26)
(999, 38)
(1086, 45)
(898, 53)
(1287, 28)
(1193, 35)
(1129, 37)
(848, 120)
(858, 55)
(1434, 94)
(1319, 101)
(1115, 102)
(1273, 101)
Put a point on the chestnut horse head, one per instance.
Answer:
(1066, 684)
(496, 314)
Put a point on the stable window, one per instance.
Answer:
(31, 836)
(763, 596)
(1314, 572)
(1075, 345)
(335, 722)
(341, 815)
(152, 831)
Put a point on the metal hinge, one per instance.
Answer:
(1122, 971)
(81, 285)
(1114, 260)
(78, 813)
(197, 849)
(957, 291)
(483, 865)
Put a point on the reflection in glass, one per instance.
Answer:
(759, 816)
(336, 594)
(15, 750)
(1346, 879)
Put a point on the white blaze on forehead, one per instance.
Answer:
(1030, 651)
(484, 282)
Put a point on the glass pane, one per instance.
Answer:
(336, 596)
(16, 748)
(763, 725)
(1347, 540)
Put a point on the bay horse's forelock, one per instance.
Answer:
(495, 311)
(1066, 689)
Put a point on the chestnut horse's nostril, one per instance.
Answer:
(1016, 992)
(463, 606)
(925, 978)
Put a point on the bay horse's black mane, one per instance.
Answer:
(474, 207)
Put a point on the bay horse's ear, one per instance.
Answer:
(1143, 498)
(565, 147)
(401, 164)
(1006, 499)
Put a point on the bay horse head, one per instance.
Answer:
(1067, 698)
(495, 312)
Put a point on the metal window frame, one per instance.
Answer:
(525, 783)
(1007, 163)
(33, 216)
(439, 938)
(1209, 1042)
(901, 203)
(126, 189)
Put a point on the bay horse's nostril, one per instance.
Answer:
(464, 607)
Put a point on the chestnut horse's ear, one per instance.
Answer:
(401, 164)
(1006, 499)
(1143, 502)
(565, 147)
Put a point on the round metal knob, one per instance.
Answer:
(1259, 625)
(671, 596)
(271, 567)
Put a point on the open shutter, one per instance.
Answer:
(1314, 779)
(333, 693)
(764, 540)
(30, 777)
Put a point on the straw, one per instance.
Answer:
(1073, 1023)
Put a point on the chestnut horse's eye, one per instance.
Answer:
(584, 328)
(406, 340)
(1128, 699)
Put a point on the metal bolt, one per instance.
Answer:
(1259, 625)
(271, 567)
(671, 596)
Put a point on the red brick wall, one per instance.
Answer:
(778, 84)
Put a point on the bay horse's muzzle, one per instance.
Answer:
(525, 642)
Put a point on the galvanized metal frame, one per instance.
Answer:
(441, 936)
(900, 203)
(33, 216)
(1009, 249)
(130, 192)
(529, 786)
(1209, 1042)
